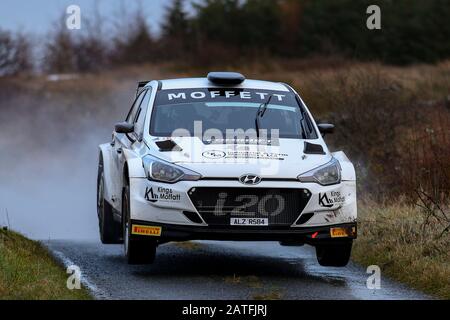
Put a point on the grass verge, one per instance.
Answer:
(29, 272)
(397, 239)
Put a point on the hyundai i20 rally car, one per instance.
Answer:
(224, 158)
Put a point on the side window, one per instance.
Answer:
(307, 122)
(132, 114)
(140, 116)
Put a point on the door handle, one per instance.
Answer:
(119, 150)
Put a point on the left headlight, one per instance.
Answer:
(325, 175)
(158, 170)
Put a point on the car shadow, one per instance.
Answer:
(229, 264)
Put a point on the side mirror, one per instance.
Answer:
(124, 127)
(325, 128)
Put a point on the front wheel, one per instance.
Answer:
(334, 255)
(138, 250)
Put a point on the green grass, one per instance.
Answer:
(394, 238)
(29, 272)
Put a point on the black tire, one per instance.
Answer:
(140, 250)
(334, 255)
(110, 230)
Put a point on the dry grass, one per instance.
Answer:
(28, 271)
(395, 238)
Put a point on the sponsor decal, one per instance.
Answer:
(343, 232)
(246, 141)
(150, 195)
(220, 94)
(176, 96)
(146, 230)
(338, 232)
(161, 194)
(256, 155)
(330, 199)
(215, 154)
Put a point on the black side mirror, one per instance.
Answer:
(124, 127)
(325, 128)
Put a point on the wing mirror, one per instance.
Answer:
(325, 128)
(124, 127)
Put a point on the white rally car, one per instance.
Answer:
(224, 158)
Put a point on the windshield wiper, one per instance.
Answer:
(260, 113)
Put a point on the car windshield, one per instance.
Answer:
(222, 111)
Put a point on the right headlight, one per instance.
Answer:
(325, 175)
(159, 170)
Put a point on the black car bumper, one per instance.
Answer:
(309, 235)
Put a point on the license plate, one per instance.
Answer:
(338, 232)
(249, 221)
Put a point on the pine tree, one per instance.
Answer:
(135, 44)
(175, 31)
(176, 23)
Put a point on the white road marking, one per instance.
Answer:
(93, 289)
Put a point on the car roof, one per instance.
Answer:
(192, 83)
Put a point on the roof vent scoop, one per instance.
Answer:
(225, 78)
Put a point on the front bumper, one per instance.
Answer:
(167, 204)
(309, 235)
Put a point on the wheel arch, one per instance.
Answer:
(132, 170)
(105, 156)
(133, 165)
(348, 169)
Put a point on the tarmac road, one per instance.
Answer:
(221, 270)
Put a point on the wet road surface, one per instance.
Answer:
(221, 270)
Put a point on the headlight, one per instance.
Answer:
(159, 170)
(325, 175)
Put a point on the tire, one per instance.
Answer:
(334, 255)
(110, 231)
(137, 250)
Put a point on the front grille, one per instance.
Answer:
(218, 205)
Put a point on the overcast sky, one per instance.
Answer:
(38, 15)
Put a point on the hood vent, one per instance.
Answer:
(168, 145)
(311, 148)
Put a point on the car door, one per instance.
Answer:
(120, 143)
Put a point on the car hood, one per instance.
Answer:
(283, 159)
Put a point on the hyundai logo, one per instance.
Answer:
(250, 179)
